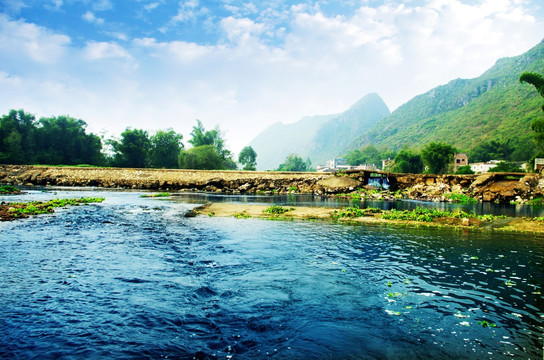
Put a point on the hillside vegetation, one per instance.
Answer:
(466, 112)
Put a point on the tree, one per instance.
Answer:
(200, 138)
(165, 147)
(248, 158)
(203, 157)
(63, 140)
(490, 150)
(132, 150)
(464, 170)
(437, 156)
(506, 167)
(407, 161)
(535, 79)
(294, 162)
(17, 137)
(537, 125)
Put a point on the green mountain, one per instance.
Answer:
(465, 112)
(317, 137)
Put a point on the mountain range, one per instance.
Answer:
(318, 137)
(463, 113)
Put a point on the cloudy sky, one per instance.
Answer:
(243, 65)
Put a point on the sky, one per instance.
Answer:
(243, 65)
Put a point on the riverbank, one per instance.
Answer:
(492, 187)
(373, 217)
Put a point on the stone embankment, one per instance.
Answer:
(492, 187)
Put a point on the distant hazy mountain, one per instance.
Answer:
(318, 137)
(466, 112)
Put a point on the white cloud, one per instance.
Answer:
(91, 18)
(316, 64)
(105, 50)
(102, 5)
(21, 40)
(241, 30)
(13, 6)
(151, 6)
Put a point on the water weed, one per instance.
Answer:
(23, 210)
(8, 189)
(162, 194)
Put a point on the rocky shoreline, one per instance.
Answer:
(491, 187)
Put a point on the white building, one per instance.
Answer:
(483, 167)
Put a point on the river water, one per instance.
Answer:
(131, 278)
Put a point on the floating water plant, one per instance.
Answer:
(394, 313)
(486, 324)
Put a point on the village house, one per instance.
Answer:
(338, 164)
(459, 160)
(539, 164)
(483, 167)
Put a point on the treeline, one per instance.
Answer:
(63, 140)
(53, 140)
(438, 157)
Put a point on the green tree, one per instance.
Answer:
(490, 150)
(165, 146)
(407, 161)
(506, 167)
(201, 137)
(535, 79)
(464, 170)
(132, 150)
(537, 125)
(248, 158)
(63, 140)
(294, 162)
(437, 156)
(17, 137)
(203, 157)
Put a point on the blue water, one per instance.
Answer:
(132, 278)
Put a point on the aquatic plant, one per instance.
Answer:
(536, 201)
(22, 210)
(428, 215)
(242, 215)
(8, 189)
(461, 198)
(276, 210)
(486, 323)
(354, 212)
(162, 194)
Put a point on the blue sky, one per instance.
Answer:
(240, 65)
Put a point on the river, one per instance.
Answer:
(132, 278)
